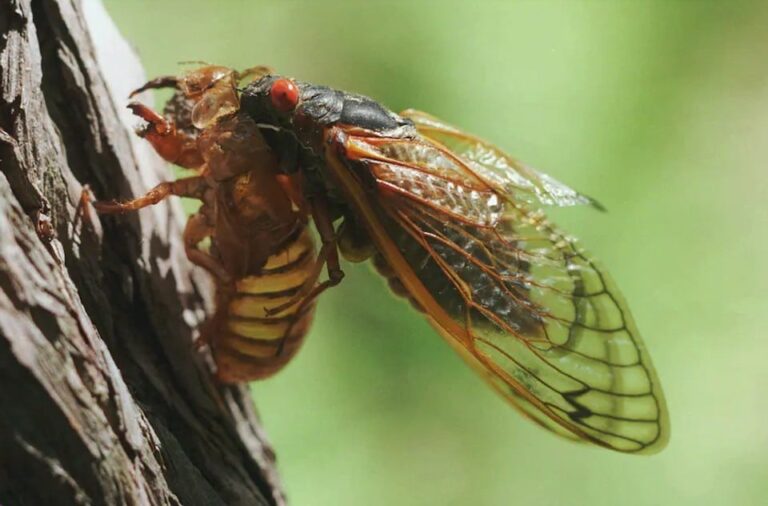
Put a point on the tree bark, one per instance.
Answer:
(103, 398)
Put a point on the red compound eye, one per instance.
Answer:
(284, 95)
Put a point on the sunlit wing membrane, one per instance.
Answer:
(499, 170)
(529, 309)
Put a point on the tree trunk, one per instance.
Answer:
(103, 398)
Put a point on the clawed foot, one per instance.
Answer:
(156, 123)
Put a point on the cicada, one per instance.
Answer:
(458, 227)
(454, 224)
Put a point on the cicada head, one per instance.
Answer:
(213, 91)
(195, 83)
(302, 109)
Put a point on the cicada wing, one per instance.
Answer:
(521, 301)
(501, 171)
(509, 390)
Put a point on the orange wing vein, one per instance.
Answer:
(528, 307)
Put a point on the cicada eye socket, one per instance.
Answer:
(284, 95)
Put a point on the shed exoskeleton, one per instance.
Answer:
(260, 252)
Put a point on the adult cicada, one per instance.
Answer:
(457, 226)
(453, 223)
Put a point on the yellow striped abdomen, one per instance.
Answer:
(250, 340)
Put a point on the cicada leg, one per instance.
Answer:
(193, 187)
(328, 257)
(83, 205)
(198, 229)
(175, 146)
(158, 82)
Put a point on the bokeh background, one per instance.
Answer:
(658, 109)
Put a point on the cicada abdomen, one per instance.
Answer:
(262, 320)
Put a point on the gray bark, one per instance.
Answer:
(103, 398)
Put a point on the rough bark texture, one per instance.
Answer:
(103, 398)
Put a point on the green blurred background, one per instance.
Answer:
(658, 109)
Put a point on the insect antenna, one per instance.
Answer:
(192, 62)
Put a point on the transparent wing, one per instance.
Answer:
(538, 317)
(502, 172)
